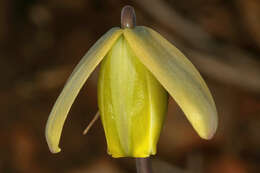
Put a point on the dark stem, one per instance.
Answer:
(128, 19)
(143, 165)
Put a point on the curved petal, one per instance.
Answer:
(73, 85)
(178, 76)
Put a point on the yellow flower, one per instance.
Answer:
(138, 68)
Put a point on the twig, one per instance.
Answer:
(91, 123)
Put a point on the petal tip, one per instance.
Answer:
(52, 142)
(53, 148)
(56, 150)
(209, 134)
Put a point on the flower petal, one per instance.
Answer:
(73, 85)
(132, 103)
(178, 76)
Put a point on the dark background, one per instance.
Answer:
(42, 41)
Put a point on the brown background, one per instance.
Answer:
(42, 41)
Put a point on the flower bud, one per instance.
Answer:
(132, 103)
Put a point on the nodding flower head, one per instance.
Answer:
(138, 69)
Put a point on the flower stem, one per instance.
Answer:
(143, 165)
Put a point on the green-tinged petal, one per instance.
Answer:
(76, 80)
(132, 103)
(178, 76)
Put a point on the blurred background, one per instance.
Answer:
(41, 41)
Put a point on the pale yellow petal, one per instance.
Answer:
(73, 85)
(178, 76)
